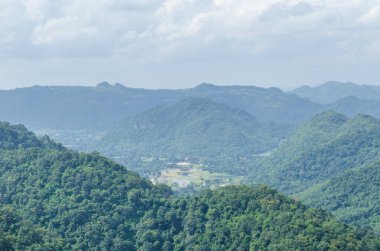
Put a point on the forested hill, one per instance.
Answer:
(353, 196)
(194, 127)
(104, 106)
(53, 198)
(323, 147)
(85, 200)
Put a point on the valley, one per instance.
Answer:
(194, 154)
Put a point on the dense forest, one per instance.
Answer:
(53, 198)
(353, 196)
(329, 162)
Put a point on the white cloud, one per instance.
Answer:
(62, 30)
(372, 16)
(179, 27)
(169, 31)
(36, 9)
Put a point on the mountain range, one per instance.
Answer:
(53, 198)
(104, 106)
(332, 91)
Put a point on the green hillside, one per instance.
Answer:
(86, 199)
(197, 128)
(353, 196)
(323, 147)
(54, 198)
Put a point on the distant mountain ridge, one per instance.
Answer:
(104, 106)
(332, 91)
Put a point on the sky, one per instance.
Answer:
(181, 43)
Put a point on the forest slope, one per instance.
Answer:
(88, 202)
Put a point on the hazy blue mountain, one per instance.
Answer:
(327, 145)
(103, 106)
(332, 91)
(353, 196)
(352, 105)
(52, 198)
(194, 127)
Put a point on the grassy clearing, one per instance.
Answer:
(182, 177)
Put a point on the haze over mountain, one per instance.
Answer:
(352, 105)
(332, 91)
(104, 106)
(53, 198)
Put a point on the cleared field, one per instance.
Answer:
(182, 177)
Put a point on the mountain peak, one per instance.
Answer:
(104, 84)
(206, 86)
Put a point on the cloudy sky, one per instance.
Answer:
(180, 43)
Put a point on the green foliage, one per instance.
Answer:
(18, 234)
(246, 218)
(57, 199)
(327, 145)
(17, 136)
(353, 196)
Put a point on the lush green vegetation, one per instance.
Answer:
(353, 196)
(54, 198)
(194, 128)
(244, 218)
(322, 157)
(19, 234)
(323, 147)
